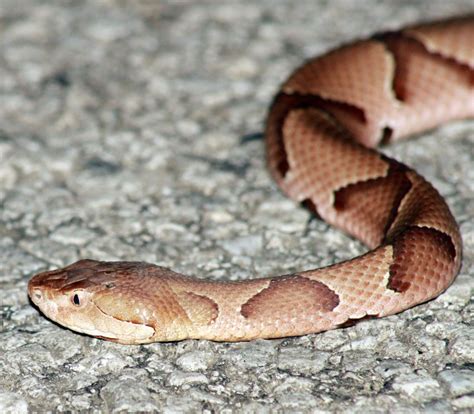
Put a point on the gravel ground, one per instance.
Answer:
(128, 131)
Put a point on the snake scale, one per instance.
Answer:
(320, 134)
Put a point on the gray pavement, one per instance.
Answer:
(123, 132)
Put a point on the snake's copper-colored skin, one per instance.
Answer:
(320, 132)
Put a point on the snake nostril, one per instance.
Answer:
(37, 295)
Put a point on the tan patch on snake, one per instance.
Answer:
(289, 297)
(200, 309)
(285, 103)
(434, 37)
(355, 203)
(411, 55)
(422, 257)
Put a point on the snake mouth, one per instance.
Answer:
(123, 331)
(108, 338)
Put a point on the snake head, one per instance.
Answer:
(94, 298)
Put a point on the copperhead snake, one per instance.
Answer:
(320, 134)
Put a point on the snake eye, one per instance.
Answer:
(75, 299)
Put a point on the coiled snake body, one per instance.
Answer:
(320, 132)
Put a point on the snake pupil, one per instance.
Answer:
(76, 300)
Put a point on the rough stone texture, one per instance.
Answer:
(125, 134)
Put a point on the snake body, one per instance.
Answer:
(320, 134)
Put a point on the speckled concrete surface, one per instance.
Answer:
(124, 134)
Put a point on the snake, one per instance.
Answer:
(320, 137)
